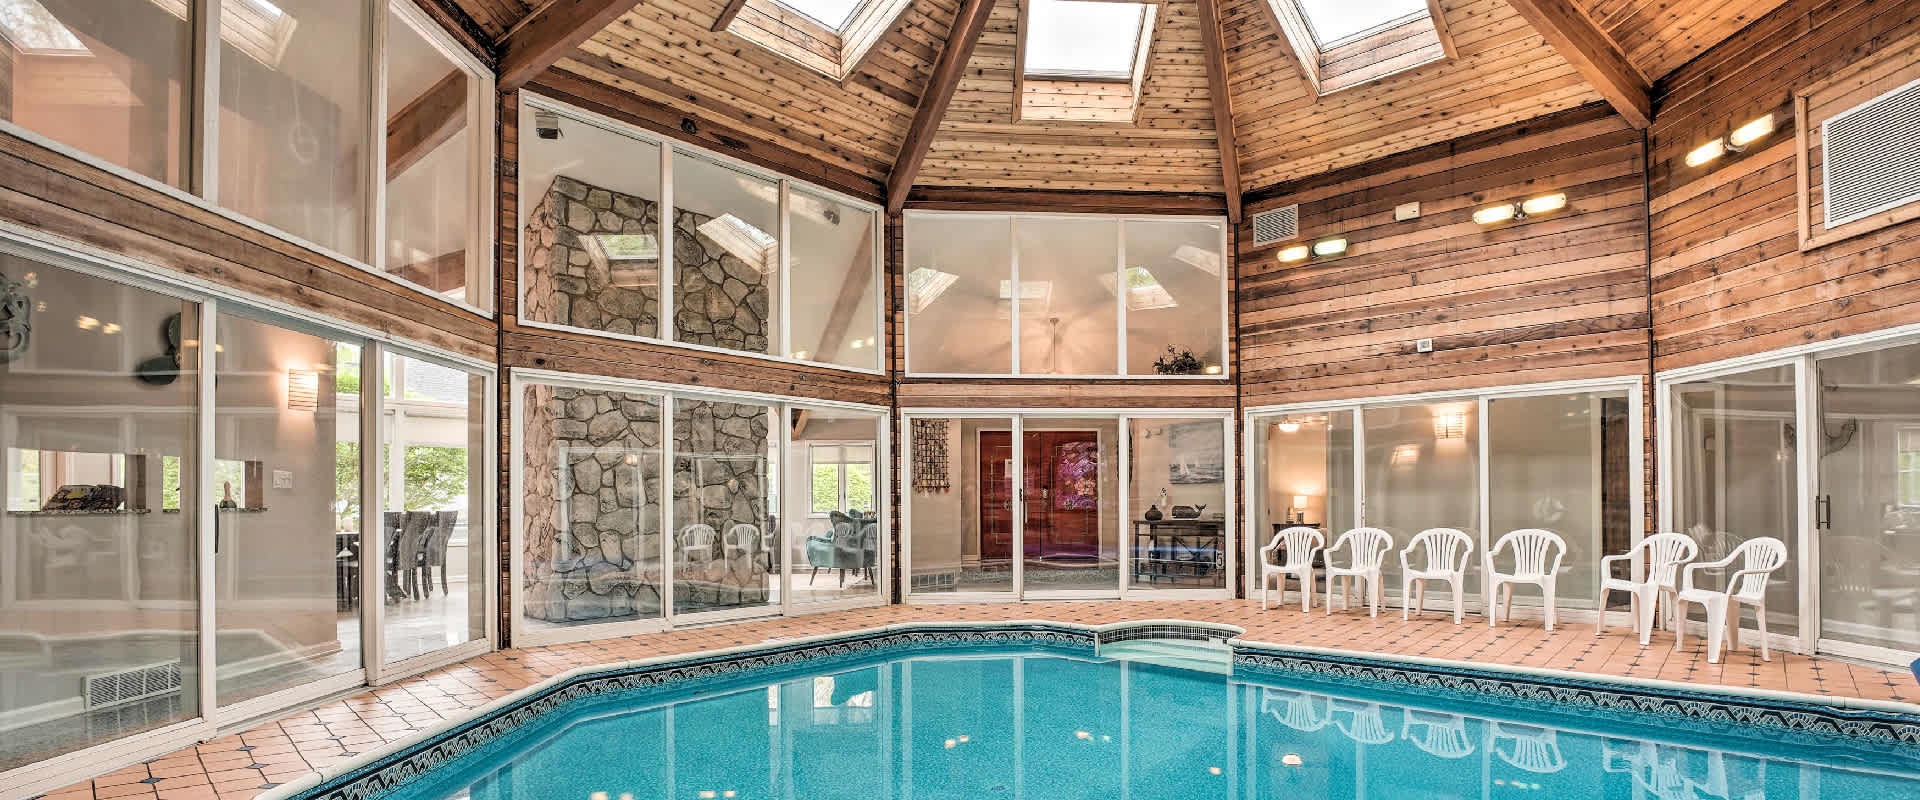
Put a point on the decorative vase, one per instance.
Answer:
(1152, 514)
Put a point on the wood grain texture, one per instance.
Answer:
(1505, 73)
(1556, 296)
(969, 23)
(1213, 44)
(494, 17)
(1729, 277)
(553, 30)
(1658, 37)
(1599, 60)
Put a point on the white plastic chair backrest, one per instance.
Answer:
(1443, 735)
(1295, 709)
(1665, 553)
(1300, 544)
(1368, 547)
(698, 536)
(1444, 550)
(1764, 554)
(743, 537)
(1363, 723)
(1535, 551)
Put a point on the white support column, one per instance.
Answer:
(375, 192)
(205, 103)
(783, 275)
(665, 319)
(667, 534)
(1126, 504)
(201, 502)
(1013, 292)
(1809, 433)
(1120, 296)
(373, 508)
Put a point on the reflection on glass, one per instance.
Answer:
(99, 431)
(436, 573)
(1068, 315)
(726, 256)
(110, 79)
(1735, 474)
(835, 289)
(831, 505)
(430, 154)
(1422, 472)
(1174, 275)
(1179, 476)
(1305, 474)
(295, 82)
(1071, 513)
(723, 500)
(1562, 463)
(1870, 471)
(286, 436)
(1033, 724)
(957, 322)
(590, 218)
(960, 497)
(590, 507)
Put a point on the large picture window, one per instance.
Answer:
(1083, 296)
(751, 262)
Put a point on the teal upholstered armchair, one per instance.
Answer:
(853, 544)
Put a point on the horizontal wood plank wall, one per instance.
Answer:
(1558, 296)
(1505, 73)
(539, 348)
(1728, 276)
(56, 194)
(665, 53)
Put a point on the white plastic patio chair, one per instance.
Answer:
(1300, 546)
(1536, 560)
(1437, 554)
(697, 538)
(742, 539)
(1758, 558)
(1655, 579)
(1366, 549)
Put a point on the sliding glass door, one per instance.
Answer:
(1065, 505)
(1561, 457)
(1821, 451)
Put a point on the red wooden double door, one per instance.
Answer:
(1060, 473)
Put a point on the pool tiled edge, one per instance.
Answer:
(404, 761)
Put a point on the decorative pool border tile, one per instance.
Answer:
(1781, 712)
(1165, 630)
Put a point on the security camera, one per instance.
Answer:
(546, 124)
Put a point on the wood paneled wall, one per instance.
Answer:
(1729, 278)
(56, 194)
(1558, 296)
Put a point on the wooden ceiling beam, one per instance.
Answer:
(1214, 43)
(426, 123)
(550, 33)
(1595, 56)
(947, 71)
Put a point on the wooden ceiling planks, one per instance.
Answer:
(495, 17)
(665, 52)
(1505, 73)
(1658, 36)
(1171, 148)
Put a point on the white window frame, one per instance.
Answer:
(1121, 295)
(842, 463)
(780, 342)
(1258, 416)
(204, 136)
(213, 719)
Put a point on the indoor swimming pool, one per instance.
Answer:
(1052, 717)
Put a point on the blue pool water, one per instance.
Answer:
(1033, 721)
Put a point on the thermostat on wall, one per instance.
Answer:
(1423, 346)
(1406, 211)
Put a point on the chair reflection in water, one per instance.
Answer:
(1440, 734)
(1302, 711)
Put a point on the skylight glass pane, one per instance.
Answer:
(1334, 21)
(831, 13)
(1083, 39)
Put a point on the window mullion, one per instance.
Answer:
(204, 179)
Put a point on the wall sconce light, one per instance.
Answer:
(303, 390)
(1737, 141)
(1329, 247)
(1298, 252)
(1505, 212)
(1450, 425)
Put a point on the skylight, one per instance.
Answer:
(833, 14)
(1082, 39)
(743, 241)
(925, 285)
(1144, 292)
(33, 29)
(1335, 21)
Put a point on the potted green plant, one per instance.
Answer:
(1178, 362)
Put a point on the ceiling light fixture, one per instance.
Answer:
(1288, 425)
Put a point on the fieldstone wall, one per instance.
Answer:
(592, 516)
(719, 300)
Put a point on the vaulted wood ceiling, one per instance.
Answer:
(1508, 66)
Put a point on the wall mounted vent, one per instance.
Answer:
(107, 689)
(1871, 164)
(1276, 226)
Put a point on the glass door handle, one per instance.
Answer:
(1823, 512)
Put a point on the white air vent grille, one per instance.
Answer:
(1871, 162)
(125, 686)
(1276, 226)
